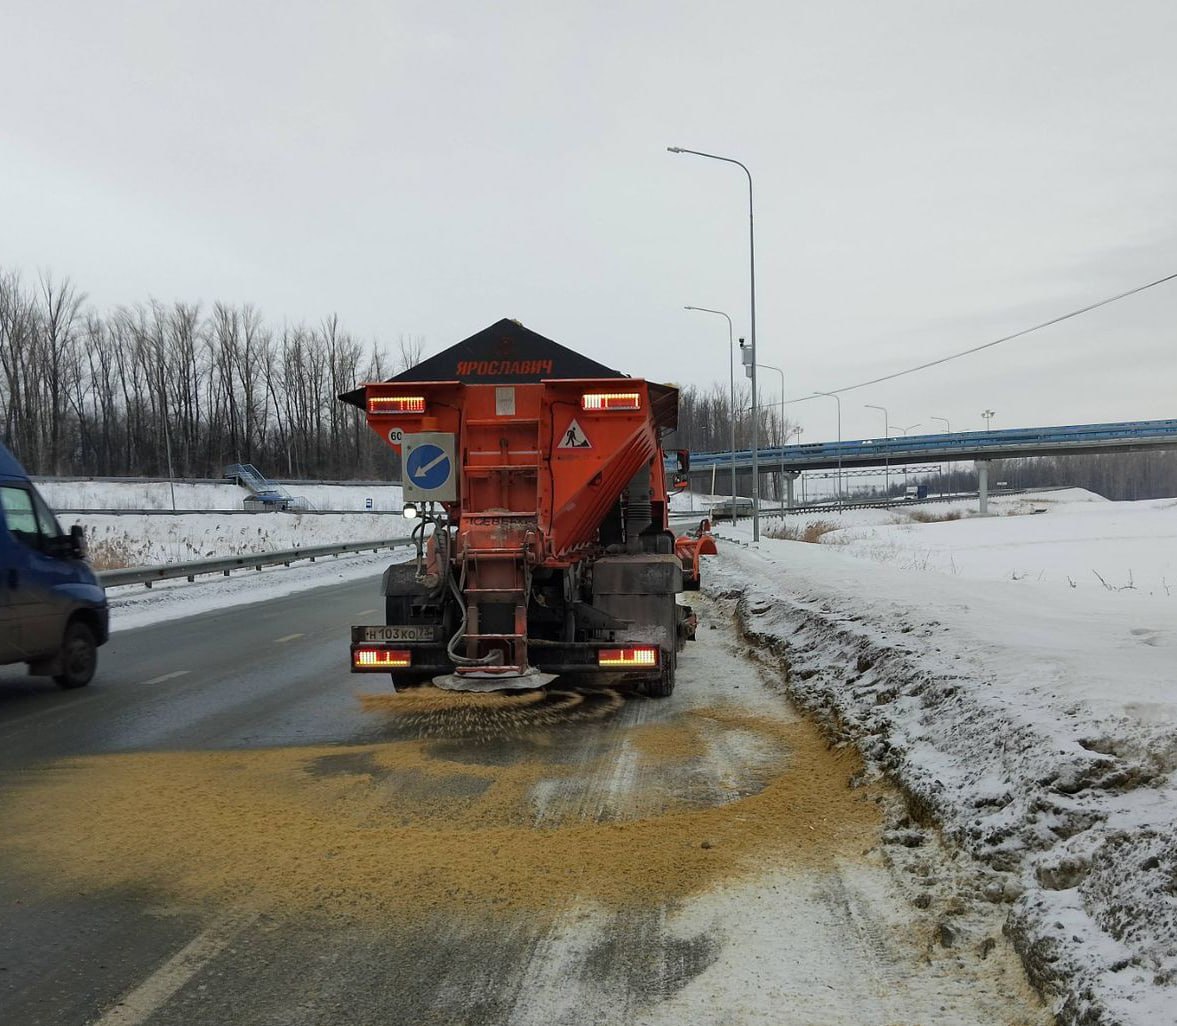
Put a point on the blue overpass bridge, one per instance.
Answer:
(959, 445)
(979, 446)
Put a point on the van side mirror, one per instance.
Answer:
(77, 541)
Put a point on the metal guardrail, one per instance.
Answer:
(833, 507)
(148, 575)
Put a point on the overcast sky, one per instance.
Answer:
(928, 176)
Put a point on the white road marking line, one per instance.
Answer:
(289, 637)
(167, 676)
(365, 612)
(140, 1004)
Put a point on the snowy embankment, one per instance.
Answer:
(128, 539)
(223, 529)
(1025, 707)
(211, 495)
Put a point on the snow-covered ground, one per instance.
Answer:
(140, 495)
(1070, 539)
(210, 495)
(127, 539)
(1033, 719)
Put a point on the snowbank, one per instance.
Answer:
(140, 495)
(127, 539)
(209, 495)
(1036, 723)
(1073, 542)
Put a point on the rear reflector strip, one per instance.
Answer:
(599, 401)
(396, 404)
(372, 658)
(644, 656)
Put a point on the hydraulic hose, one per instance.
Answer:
(494, 658)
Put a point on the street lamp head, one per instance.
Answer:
(674, 149)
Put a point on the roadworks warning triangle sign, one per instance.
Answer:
(574, 438)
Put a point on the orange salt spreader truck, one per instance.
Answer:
(539, 486)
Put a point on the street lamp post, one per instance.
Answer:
(781, 404)
(731, 368)
(752, 297)
(837, 400)
(886, 437)
(947, 430)
(988, 415)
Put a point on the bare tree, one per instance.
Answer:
(409, 351)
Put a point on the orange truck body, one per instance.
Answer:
(552, 507)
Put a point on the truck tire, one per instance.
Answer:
(79, 656)
(663, 685)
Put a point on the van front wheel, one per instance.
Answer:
(79, 656)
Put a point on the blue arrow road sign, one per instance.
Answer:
(429, 466)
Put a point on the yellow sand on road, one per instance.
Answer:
(407, 827)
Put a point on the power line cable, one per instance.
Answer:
(998, 341)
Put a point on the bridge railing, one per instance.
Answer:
(946, 443)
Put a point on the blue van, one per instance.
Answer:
(53, 612)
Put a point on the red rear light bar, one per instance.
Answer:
(396, 404)
(644, 657)
(604, 401)
(373, 657)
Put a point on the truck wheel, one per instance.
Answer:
(79, 656)
(663, 685)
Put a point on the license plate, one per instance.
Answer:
(400, 633)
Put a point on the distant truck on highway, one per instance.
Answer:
(916, 491)
(53, 611)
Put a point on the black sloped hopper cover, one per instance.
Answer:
(505, 353)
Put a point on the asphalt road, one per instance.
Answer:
(737, 899)
(269, 674)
